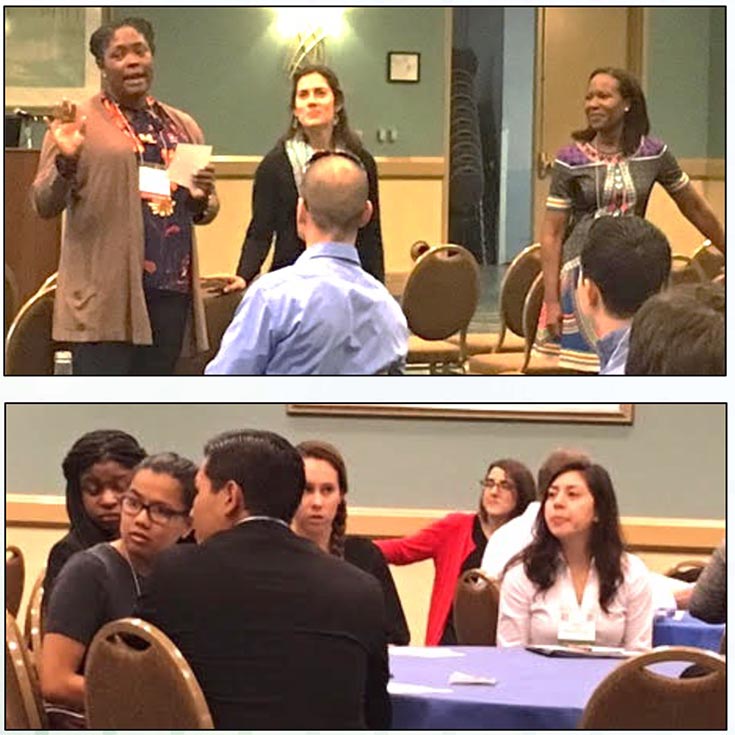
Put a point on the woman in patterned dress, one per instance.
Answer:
(608, 170)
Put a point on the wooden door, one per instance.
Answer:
(570, 43)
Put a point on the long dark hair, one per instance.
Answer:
(342, 130)
(541, 557)
(636, 123)
(330, 454)
(525, 487)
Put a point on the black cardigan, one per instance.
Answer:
(274, 210)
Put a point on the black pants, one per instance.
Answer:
(168, 312)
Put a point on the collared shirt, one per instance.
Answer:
(613, 351)
(323, 315)
(529, 617)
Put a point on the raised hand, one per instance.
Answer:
(67, 129)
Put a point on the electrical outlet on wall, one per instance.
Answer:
(392, 135)
(382, 135)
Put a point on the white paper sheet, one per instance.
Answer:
(188, 160)
(397, 687)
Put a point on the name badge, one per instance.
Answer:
(576, 627)
(154, 183)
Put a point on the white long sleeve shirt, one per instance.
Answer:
(527, 618)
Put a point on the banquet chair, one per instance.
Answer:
(23, 703)
(633, 697)
(136, 678)
(475, 611)
(11, 296)
(15, 575)
(517, 281)
(219, 310)
(29, 348)
(439, 300)
(683, 271)
(708, 260)
(687, 571)
(33, 628)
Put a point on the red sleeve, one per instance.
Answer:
(419, 546)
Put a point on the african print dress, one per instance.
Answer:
(588, 185)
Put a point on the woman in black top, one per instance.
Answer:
(97, 469)
(322, 518)
(319, 122)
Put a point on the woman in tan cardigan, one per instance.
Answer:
(128, 285)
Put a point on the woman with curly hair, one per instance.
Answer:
(322, 518)
(575, 583)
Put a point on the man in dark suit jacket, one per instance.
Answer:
(279, 634)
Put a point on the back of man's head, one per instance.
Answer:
(680, 332)
(266, 467)
(628, 259)
(335, 195)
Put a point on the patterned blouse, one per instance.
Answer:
(589, 185)
(167, 221)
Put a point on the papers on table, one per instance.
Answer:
(425, 652)
(458, 677)
(188, 160)
(397, 687)
(582, 651)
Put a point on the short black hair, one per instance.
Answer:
(680, 332)
(181, 469)
(266, 467)
(100, 39)
(628, 259)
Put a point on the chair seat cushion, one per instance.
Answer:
(424, 350)
(483, 344)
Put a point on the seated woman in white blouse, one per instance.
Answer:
(574, 584)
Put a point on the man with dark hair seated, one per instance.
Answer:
(680, 332)
(625, 261)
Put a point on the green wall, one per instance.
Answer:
(685, 70)
(669, 463)
(225, 66)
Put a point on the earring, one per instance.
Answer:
(294, 123)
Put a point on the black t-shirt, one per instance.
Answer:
(94, 587)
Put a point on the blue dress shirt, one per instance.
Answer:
(613, 351)
(323, 315)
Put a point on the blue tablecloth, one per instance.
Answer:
(533, 691)
(688, 631)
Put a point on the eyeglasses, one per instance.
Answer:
(343, 154)
(157, 512)
(506, 485)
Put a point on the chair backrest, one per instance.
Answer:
(11, 296)
(218, 312)
(516, 283)
(708, 260)
(531, 312)
(441, 292)
(475, 613)
(29, 349)
(33, 628)
(136, 678)
(15, 575)
(633, 696)
(419, 248)
(23, 703)
(683, 271)
(687, 571)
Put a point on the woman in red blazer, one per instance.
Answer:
(457, 542)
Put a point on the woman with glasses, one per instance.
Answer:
(456, 543)
(104, 582)
(97, 469)
(318, 123)
(322, 518)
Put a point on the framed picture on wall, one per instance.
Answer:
(404, 66)
(592, 413)
(47, 57)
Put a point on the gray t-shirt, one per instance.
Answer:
(94, 587)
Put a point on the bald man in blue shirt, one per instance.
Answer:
(323, 315)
